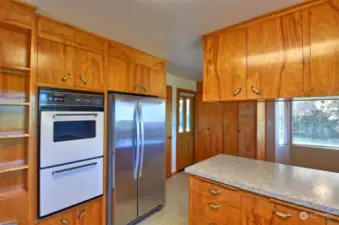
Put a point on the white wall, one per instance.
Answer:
(177, 82)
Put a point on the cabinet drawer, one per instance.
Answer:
(224, 194)
(215, 210)
(197, 219)
(290, 216)
(60, 219)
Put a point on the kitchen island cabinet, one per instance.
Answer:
(231, 190)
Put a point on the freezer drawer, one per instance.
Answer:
(65, 186)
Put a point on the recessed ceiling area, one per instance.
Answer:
(170, 29)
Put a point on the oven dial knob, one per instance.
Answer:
(78, 100)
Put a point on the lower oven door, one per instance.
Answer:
(69, 136)
(68, 185)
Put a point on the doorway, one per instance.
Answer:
(185, 128)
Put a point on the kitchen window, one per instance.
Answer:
(316, 123)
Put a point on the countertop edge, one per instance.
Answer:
(288, 199)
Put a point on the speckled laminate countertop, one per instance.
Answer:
(310, 188)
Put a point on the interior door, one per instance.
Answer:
(151, 185)
(185, 129)
(123, 161)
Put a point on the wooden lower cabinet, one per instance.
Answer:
(86, 214)
(213, 204)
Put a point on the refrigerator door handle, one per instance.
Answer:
(137, 161)
(142, 147)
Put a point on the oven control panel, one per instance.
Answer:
(67, 98)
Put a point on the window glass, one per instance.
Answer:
(188, 115)
(282, 110)
(181, 115)
(316, 123)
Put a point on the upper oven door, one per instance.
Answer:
(69, 136)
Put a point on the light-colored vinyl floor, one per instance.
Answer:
(175, 211)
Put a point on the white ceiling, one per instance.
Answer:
(170, 29)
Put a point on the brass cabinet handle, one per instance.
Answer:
(83, 80)
(256, 91)
(145, 90)
(282, 215)
(214, 192)
(135, 88)
(66, 77)
(237, 92)
(83, 212)
(63, 221)
(214, 207)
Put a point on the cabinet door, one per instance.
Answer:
(55, 63)
(89, 70)
(324, 38)
(225, 66)
(158, 81)
(145, 80)
(60, 219)
(290, 216)
(89, 213)
(256, 211)
(117, 74)
(275, 58)
(133, 78)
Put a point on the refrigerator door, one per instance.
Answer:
(151, 185)
(124, 159)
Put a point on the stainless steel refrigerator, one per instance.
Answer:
(136, 166)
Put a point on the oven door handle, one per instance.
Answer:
(73, 168)
(75, 114)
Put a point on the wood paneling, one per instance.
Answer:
(324, 47)
(256, 211)
(208, 129)
(56, 63)
(275, 58)
(230, 128)
(13, 47)
(89, 214)
(90, 74)
(247, 129)
(65, 34)
(13, 87)
(116, 74)
(261, 131)
(21, 15)
(169, 114)
(225, 66)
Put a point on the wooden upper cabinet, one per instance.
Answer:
(225, 66)
(117, 74)
(145, 80)
(158, 81)
(89, 214)
(324, 47)
(55, 63)
(90, 70)
(133, 78)
(275, 57)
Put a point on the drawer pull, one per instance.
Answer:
(66, 77)
(83, 212)
(256, 91)
(214, 192)
(214, 207)
(282, 215)
(237, 92)
(63, 221)
(83, 80)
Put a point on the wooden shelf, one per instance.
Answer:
(12, 192)
(4, 135)
(13, 166)
(15, 103)
(14, 69)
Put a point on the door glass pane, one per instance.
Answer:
(188, 115)
(73, 130)
(181, 115)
